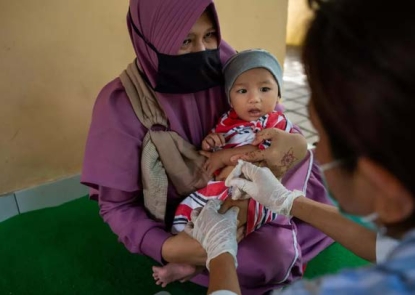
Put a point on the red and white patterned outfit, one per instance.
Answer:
(237, 133)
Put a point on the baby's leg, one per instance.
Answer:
(171, 272)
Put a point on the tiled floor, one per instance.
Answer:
(296, 94)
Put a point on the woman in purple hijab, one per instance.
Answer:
(161, 31)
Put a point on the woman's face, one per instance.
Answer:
(202, 36)
(349, 189)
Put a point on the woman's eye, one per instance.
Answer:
(265, 89)
(241, 91)
(186, 42)
(210, 35)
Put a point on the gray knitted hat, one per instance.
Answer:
(247, 60)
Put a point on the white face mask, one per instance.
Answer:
(367, 221)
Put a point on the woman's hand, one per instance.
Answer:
(214, 161)
(224, 173)
(262, 186)
(212, 141)
(286, 150)
(215, 232)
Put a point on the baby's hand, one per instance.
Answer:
(212, 141)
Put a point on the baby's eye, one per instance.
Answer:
(265, 89)
(242, 91)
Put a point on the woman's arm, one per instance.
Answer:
(283, 143)
(217, 233)
(125, 214)
(348, 233)
(261, 185)
(286, 150)
(326, 218)
(112, 165)
(223, 275)
(222, 158)
(226, 154)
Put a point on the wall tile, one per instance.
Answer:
(8, 207)
(50, 194)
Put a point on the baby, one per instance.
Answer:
(253, 80)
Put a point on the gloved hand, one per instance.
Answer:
(262, 186)
(215, 232)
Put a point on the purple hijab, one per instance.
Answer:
(113, 150)
(166, 24)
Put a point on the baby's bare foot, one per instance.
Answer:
(171, 272)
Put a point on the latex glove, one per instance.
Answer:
(215, 232)
(262, 186)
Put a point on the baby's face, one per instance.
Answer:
(254, 94)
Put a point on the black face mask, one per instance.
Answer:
(186, 73)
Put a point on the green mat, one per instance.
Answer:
(69, 250)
